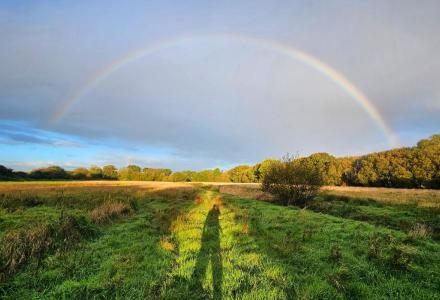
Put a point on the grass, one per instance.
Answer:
(416, 197)
(194, 242)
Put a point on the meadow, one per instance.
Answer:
(158, 240)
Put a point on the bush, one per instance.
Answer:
(292, 182)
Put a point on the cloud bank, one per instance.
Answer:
(202, 104)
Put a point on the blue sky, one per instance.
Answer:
(215, 102)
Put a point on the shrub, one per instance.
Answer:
(292, 182)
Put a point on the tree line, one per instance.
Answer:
(408, 167)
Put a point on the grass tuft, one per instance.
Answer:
(109, 211)
(419, 231)
(402, 255)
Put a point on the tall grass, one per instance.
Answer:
(22, 246)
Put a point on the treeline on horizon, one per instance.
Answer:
(408, 167)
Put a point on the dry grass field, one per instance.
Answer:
(417, 197)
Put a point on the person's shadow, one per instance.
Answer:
(210, 251)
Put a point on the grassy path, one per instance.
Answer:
(217, 258)
(258, 250)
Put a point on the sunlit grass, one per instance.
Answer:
(415, 197)
(197, 243)
(244, 270)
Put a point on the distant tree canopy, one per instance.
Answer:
(6, 173)
(79, 173)
(332, 169)
(52, 172)
(242, 174)
(182, 176)
(152, 174)
(95, 172)
(109, 172)
(411, 167)
(415, 167)
(131, 172)
(260, 170)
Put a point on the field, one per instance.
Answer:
(133, 240)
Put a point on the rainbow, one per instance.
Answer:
(330, 73)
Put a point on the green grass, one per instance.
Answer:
(176, 244)
(392, 215)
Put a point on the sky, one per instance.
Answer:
(206, 84)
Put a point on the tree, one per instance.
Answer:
(214, 175)
(155, 174)
(79, 173)
(109, 172)
(327, 165)
(182, 176)
(95, 172)
(292, 182)
(131, 172)
(261, 168)
(243, 173)
(52, 172)
(5, 173)
(409, 167)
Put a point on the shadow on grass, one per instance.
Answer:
(210, 252)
